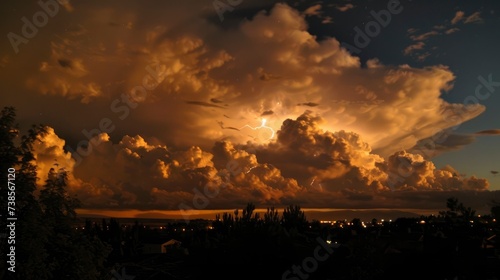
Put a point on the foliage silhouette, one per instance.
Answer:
(47, 245)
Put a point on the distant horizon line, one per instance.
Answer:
(314, 213)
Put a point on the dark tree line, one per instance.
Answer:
(292, 221)
(47, 245)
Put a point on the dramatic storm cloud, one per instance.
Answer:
(305, 165)
(156, 105)
(392, 106)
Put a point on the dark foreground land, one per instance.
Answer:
(248, 247)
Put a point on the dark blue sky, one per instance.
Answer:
(470, 52)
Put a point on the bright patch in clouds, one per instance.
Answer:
(302, 118)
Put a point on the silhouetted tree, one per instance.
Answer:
(72, 254)
(495, 210)
(272, 216)
(59, 208)
(236, 215)
(467, 212)
(225, 224)
(31, 231)
(457, 209)
(272, 222)
(294, 218)
(8, 133)
(452, 204)
(356, 224)
(47, 246)
(248, 217)
(227, 220)
(134, 239)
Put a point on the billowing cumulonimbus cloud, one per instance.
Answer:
(183, 74)
(49, 153)
(344, 161)
(413, 172)
(135, 173)
(306, 165)
(391, 106)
